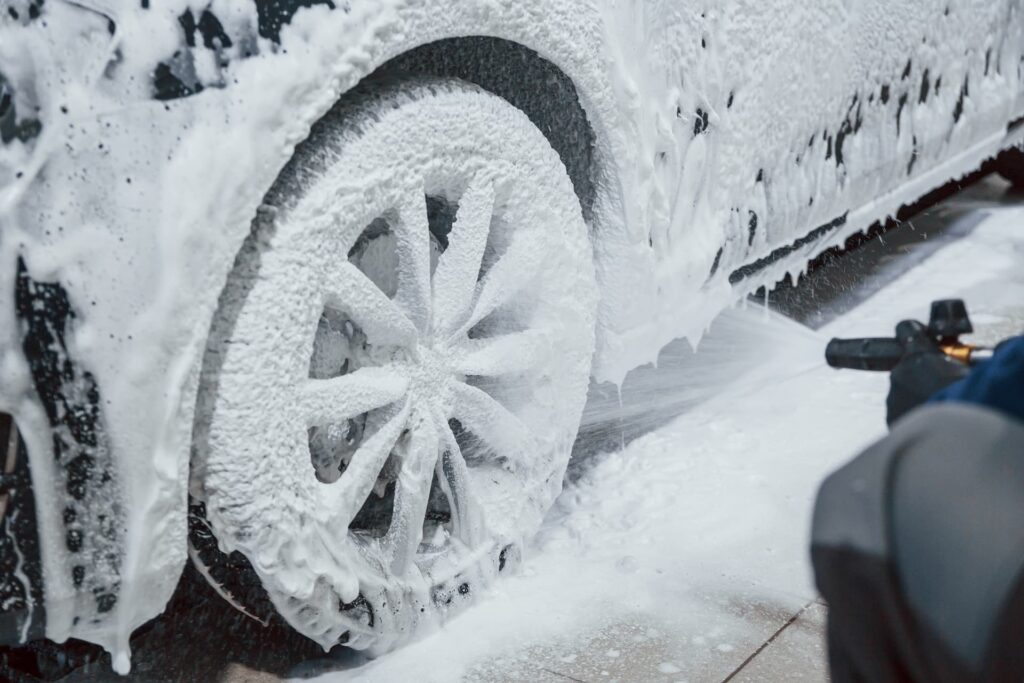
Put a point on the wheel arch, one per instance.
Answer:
(520, 75)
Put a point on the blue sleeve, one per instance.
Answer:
(997, 383)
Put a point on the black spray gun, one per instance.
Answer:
(947, 322)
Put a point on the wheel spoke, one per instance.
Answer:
(492, 422)
(359, 478)
(412, 492)
(413, 245)
(454, 477)
(505, 354)
(459, 266)
(330, 401)
(503, 281)
(380, 318)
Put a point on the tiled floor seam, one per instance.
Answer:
(792, 620)
(565, 676)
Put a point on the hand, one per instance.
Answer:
(923, 372)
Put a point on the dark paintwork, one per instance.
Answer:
(700, 122)
(174, 78)
(10, 126)
(752, 268)
(19, 546)
(70, 396)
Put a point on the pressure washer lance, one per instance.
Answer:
(947, 322)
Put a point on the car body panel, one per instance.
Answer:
(723, 133)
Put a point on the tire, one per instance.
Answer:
(1010, 165)
(385, 429)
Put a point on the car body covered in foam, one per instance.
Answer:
(715, 147)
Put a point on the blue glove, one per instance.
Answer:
(996, 384)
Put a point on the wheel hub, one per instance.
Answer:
(430, 375)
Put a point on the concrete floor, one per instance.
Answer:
(780, 647)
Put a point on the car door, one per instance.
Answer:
(762, 133)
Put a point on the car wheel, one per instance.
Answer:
(1010, 165)
(399, 363)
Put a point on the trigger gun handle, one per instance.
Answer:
(878, 354)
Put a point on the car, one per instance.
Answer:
(309, 293)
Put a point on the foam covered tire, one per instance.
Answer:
(399, 363)
(1010, 165)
